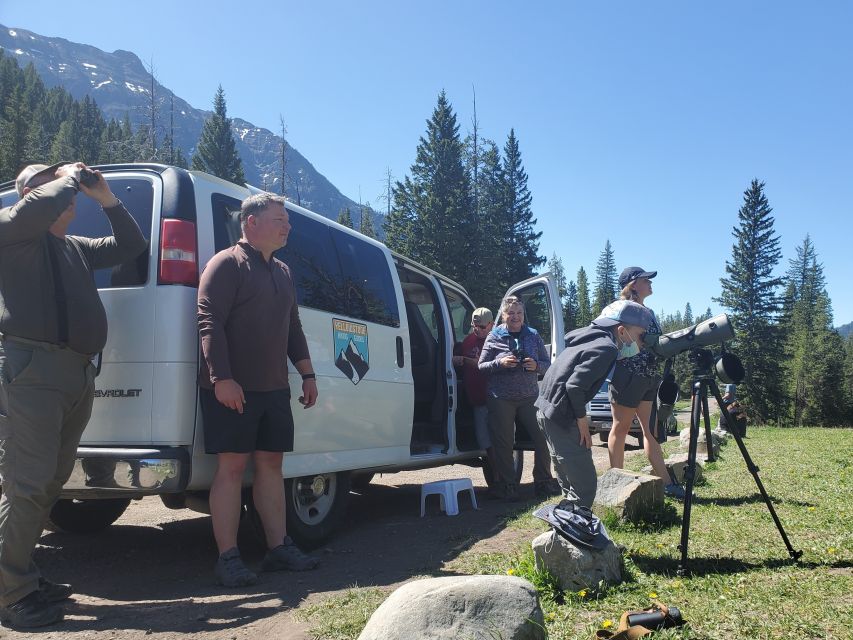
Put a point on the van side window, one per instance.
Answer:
(226, 221)
(314, 265)
(460, 313)
(369, 288)
(137, 194)
(537, 309)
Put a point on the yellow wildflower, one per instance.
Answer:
(607, 624)
(582, 593)
(653, 594)
(831, 550)
(510, 572)
(811, 508)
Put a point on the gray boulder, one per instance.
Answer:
(701, 445)
(630, 494)
(461, 607)
(577, 567)
(676, 463)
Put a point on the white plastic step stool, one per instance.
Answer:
(448, 492)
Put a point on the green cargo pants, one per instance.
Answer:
(46, 397)
(572, 461)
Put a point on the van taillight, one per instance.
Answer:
(178, 253)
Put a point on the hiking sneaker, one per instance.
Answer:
(511, 492)
(547, 489)
(288, 557)
(231, 572)
(674, 490)
(54, 591)
(31, 611)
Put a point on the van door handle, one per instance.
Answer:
(400, 362)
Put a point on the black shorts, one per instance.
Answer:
(629, 389)
(266, 423)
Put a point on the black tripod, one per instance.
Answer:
(703, 382)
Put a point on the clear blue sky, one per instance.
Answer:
(641, 122)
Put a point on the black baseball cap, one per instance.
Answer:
(629, 274)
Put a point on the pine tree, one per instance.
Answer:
(848, 378)
(688, 315)
(488, 277)
(572, 307)
(366, 225)
(345, 218)
(216, 151)
(750, 294)
(584, 316)
(431, 212)
(523, 256)
(814, 361)
(555, 267)
(606, 280)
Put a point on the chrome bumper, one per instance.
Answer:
(113, 472)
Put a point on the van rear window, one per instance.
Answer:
(137, 194)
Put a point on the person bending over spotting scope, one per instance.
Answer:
(573, 380)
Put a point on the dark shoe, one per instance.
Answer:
(511, 493)
(675, 491)
(31, 611)
(289, 557)
(231, 572)
(547, 489)
(54, 591)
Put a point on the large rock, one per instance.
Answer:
(677, 463)
(701, 444)
(475, 607)
(632, 495)
(577, 567)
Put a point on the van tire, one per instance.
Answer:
(312, 519)
(518, 461)
(87, 516)
(361, 481)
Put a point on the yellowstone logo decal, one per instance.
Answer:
(352, 355)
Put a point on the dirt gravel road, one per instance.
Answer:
(150, 574)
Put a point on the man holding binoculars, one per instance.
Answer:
(52, 324)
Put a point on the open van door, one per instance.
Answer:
(543, 310)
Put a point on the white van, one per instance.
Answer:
(381, 330)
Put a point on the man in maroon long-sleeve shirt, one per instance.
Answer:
(249, 325)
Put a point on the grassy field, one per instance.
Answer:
(742, 584)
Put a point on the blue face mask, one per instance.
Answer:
(628, 350)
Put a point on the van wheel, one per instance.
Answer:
(316, 505)
(517, 460)
(361, 481)
(87, 516)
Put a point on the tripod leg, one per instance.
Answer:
(690, 473)
(795, 555)
(708, 441)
